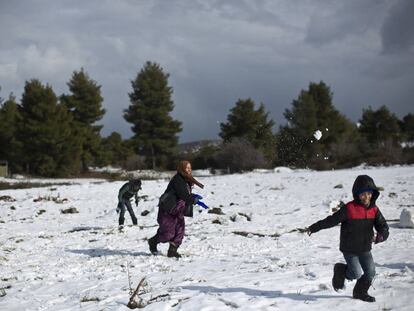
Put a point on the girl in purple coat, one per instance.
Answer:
(171, 223)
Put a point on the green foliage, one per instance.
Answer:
(85, 101)
(204, 158)
(49, 146)
(379, 126)
(312, 110)
(407, 127)
(380, 129)
(114, 150)
(291, 149)
(244, 122)
(155, 131)
(201, 156)
(11, 147)
(85, 106)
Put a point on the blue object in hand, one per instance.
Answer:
(197, 196)
(202, 204)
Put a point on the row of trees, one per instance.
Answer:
(49, 135)
(379, 136)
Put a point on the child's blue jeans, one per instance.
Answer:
(356, 264)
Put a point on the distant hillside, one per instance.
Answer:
(196, 145)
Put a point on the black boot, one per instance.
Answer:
(338, 279)
(152, 243)
(172, 251)
(361, 290)
(134, 221)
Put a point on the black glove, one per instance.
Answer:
(378, 239)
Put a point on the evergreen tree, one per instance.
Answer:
(312, 110)
(155, 131)
(244, 122)
(407, 130)
(294, 141)
(85, 105)
(115, 151)
(379, 127)
(11, 147)
(49, 146)
(407, 127)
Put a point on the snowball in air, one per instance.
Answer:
(317, 134)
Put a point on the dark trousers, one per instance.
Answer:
(126, 204)
(361, 265)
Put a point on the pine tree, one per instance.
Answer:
(11, 147)
(49, 146)
(85, 105)
(380, 130)
(407, 132)
(312, 110)
(379, 126)
(155, 131)
(407, 127)
(294, 141)
(244, 122)
(115, 151)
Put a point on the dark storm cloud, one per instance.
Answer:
(338, 19)
(215, 52)
(398, 29)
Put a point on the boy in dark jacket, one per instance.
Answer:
(357, 218)
(126, 192)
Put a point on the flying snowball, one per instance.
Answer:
(317, 134)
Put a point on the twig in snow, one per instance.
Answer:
(129, 279)
(132, 304)
(158, 297)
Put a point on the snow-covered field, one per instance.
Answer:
(55, 261)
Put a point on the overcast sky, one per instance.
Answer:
(215, 52)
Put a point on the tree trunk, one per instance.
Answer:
(153, 157)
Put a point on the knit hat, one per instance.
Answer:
(364, 190)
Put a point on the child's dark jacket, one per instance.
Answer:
(357, 221)
(127, 191)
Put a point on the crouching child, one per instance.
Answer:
(126, 192)
(358, 218)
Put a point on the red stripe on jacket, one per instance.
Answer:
(358, 211)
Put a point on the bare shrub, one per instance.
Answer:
(134, 162)
(239, 155)
(386, 153)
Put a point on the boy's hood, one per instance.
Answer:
(364, 182)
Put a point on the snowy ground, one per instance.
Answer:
(55, 261)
